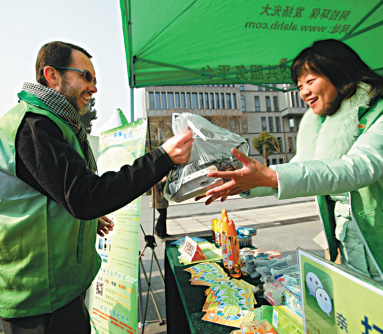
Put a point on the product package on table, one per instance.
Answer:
(241, 274)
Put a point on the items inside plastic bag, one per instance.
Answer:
(211, 151)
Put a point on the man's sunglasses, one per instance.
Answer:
(88, 77)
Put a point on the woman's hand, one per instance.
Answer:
(104, 226)
(252, 174)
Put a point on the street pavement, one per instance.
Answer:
(281, 225)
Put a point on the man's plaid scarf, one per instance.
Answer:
(59, 105)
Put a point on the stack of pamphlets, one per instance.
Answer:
(228, 302)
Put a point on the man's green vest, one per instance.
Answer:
(366, 205)
(47, 257)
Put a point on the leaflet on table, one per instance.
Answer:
(228, 292)
(257, 327)
(206, 274)
(193, 252)
(229, 315)
(228, 302)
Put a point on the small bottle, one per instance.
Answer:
(213, 229)
(218, 232)
(234, 259)
(225, 224)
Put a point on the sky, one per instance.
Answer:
(95, 25)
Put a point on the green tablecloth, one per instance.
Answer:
(184, 301)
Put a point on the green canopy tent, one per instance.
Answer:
(205, 42)
(194, 42)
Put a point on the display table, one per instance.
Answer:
(184, 301)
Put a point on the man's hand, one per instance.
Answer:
(252, 174)
(179, 147)
(104, 226)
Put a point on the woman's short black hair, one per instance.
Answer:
(341, 64)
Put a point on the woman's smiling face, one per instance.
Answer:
(317, 91)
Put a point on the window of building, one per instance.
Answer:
(303, 104)
(273, 161)
(243, 104)
(201, 104)
(290, 143)
(228, 101)
(297, 99)
(234, 101)
(170, 101)
(260, 89)
(194, 101)
(206, 101)
(223, 101)
(163, 100)
(257, 103)
(244, 125)
(151, 100)
(268, 103)
(211, 101)
(280, 161)
(292, 99)
(291, 124)
(232, 125)
(276, 104)
(263, 124)
(280, 143)
(217, 101)
(241, 87)
(177, 98)
(158, 103)
(271, 124)
(188, 101)
(278, 124)
(183, 101)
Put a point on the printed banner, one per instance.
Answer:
(113, 303)
(336, 300)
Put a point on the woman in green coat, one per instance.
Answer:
(339, 155)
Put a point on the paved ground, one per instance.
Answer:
(281, 225)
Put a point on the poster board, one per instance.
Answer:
(113, 301)
(337, 300)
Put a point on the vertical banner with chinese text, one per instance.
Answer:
(113, 304)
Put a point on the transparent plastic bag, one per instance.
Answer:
(211, 152)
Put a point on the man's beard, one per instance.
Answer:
(71, 96)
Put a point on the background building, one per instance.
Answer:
(244, 109)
